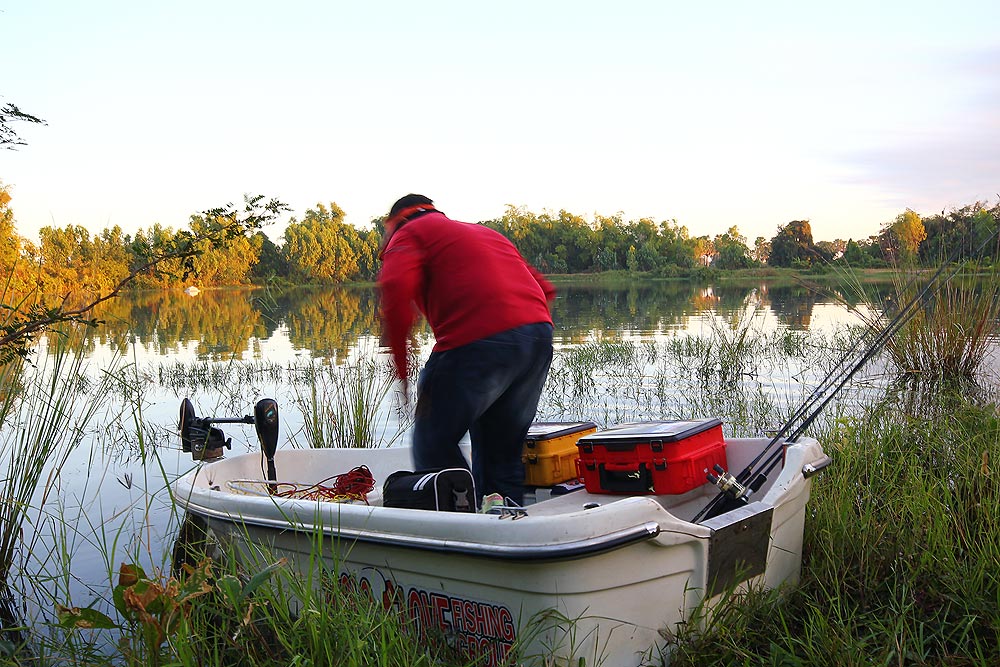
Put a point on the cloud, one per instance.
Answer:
(951, 155)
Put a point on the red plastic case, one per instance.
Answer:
(666, 457)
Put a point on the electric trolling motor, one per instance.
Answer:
(205, 442)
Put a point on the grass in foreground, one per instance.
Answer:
(901, 564)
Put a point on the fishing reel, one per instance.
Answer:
(206, 442)
(726, 482)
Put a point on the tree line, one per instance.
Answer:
(320, 248)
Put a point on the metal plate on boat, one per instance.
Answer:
(737, 548)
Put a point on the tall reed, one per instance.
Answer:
(351, 405)
(733, 341)
(952, 328)
(40, 426)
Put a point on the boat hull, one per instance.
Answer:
(598, 577)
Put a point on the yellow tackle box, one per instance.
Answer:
(550, 451)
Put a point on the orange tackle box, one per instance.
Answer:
(550, 451)
(665, 457)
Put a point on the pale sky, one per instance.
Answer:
(712, 113)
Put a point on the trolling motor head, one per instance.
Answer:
(198, 436)
(265, 422)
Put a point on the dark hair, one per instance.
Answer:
(409, 201)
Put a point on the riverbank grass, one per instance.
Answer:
(901, 564)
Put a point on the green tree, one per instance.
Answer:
(147, 244)
(900, 240)
(855, 256)
(674, 245)
(958, 232)
(14, 267)
(572, 241)
(793, 245)
(761, 250)
(731, 251)
(66, 256)
(227, 264)
(368, 260)
(322, 248)
(270, 262)
(110, 259)
(704, 250)
(611, 241)
(631, 260)
(67, 248)
(558, 243)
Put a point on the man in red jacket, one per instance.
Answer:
(489, 311)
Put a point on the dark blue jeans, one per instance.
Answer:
(488, 388)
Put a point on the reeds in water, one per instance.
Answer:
(40, 426)
(951, 330)
(351, 405)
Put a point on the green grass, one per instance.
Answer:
(53, 404)
(951, 321)
(901, 564)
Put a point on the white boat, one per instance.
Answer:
(580, 575)
(191, 290)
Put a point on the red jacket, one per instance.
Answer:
(469, 281)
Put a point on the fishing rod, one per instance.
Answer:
(735, 491)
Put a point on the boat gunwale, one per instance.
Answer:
(570, 550)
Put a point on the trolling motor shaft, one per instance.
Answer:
(265, 421)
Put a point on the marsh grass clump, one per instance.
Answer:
(950, 337)
(609, 381)
(952, 327)
(349, 405)
(40, 426)
(734, 340)
(234, 375)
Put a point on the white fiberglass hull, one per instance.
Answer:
(597, 576)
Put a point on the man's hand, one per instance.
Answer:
(404, 396)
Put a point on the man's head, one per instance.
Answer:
(406, 208)
(410, 201)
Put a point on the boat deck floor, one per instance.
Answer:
(684, 506)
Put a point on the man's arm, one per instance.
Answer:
(399, 282)
(547, 287)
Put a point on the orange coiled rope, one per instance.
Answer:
(355, 484)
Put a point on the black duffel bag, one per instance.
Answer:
(448, 490)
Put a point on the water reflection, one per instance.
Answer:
(326, 323)
(11, 621)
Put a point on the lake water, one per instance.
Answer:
(623, 354)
